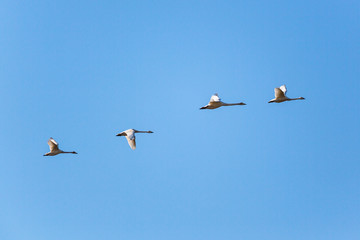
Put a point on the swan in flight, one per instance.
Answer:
(215, 102)
(280, 95)
(130, 136)
(54, 148)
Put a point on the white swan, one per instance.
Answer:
(54, 148)
(215, 102)
(280, 95)
(130, 136)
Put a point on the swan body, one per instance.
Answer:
(280, 95)
(54, 148)
(215, 102)
(130, 136)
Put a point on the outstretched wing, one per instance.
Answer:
(131, 140)
(121, 134)
(215, 98)
(283, 88)
(54, 146)
(279, 93)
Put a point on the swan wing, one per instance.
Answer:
(283, 88)
(131, 141)
(54, 146)
(121, 134)
(279, 93)
(215, 98)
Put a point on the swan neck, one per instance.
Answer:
(232, 104)
(299, 98)
(69, 152)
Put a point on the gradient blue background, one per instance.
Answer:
(83, 71)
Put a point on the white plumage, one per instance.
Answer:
(280, 95)
(130, 136)
(215, 102)
(54, 148)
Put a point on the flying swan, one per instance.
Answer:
(54, 148)
(215, 102)
(130, 136)
(280, 95)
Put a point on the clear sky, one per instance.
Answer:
(83, 71)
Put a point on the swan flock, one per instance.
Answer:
(215, 102)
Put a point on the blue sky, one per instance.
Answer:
(83, 71)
